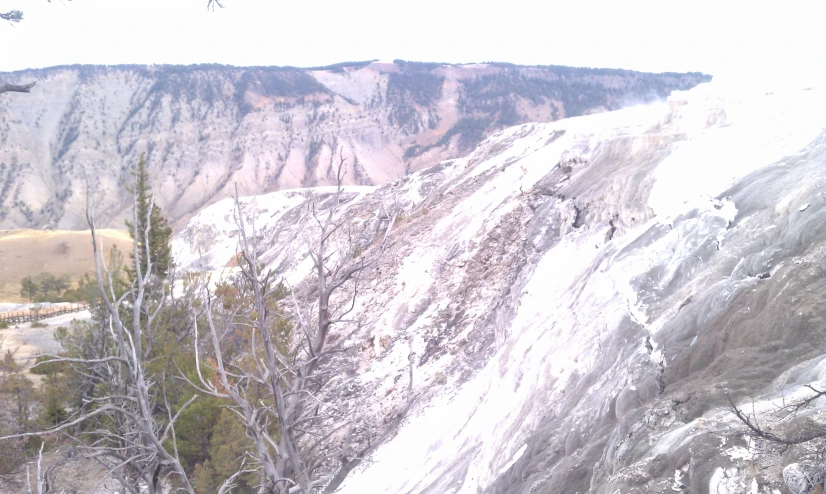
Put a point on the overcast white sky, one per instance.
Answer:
(652, 35)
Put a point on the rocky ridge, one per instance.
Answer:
(206, 128)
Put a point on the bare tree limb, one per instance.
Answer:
(757, 431)
(12, 16)
(39, 479)
(15, 88)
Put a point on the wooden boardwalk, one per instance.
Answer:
(24, 316)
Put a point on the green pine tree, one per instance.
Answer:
(228, 446)
(157, 249)
(28, 288)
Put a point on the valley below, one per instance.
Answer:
(28, 253)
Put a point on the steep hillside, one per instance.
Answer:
(206, 128)
(583, 297)
(61, 253)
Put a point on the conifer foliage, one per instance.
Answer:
(153, 245)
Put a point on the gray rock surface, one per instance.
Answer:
(803, 479)
(584, 296)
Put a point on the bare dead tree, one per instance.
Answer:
(295, 373)
(789, 428)
(16, 88)
(787, 411)
(12, 16)
(39, 482)
(15, 16)
(119, 426)
(804, 439)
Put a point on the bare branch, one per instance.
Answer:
(12, 16)
(757, 431)
(229, 483)
(63, 426)
(15, 88)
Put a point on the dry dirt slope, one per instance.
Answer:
(29, 252)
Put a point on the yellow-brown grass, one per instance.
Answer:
(30, 252)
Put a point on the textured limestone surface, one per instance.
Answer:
(583, 297)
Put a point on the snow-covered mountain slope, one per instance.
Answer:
(583, 296)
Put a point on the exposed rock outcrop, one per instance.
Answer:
(584, 296)
(206, 128)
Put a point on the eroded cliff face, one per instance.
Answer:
(582, 298)
(205, 129)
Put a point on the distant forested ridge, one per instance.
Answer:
(204, 128)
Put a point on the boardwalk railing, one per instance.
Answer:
(23, 316)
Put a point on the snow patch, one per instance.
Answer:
(739, 453)
(749, 134)
(727, 481)
(513, 459)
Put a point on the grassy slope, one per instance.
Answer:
(29, 252)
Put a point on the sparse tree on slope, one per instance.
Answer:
(28, 288)
(126, 417)
(289, 356)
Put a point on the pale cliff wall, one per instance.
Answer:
(206, 128)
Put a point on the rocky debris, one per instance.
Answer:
(804, 479)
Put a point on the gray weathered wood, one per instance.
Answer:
(16, 88)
